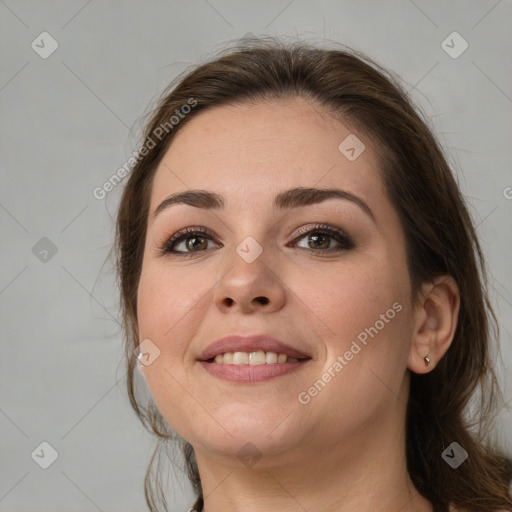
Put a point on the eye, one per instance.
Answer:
(320, 236)
(195, 240)
(192, 240)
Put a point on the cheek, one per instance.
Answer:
(167, 301)
(347, 298)
(169, 305)
(364, 323)
(360, 312)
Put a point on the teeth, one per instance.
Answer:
(271, 358)
(240, 358)
(257, 357)
(254, 358)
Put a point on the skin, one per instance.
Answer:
(344, 450)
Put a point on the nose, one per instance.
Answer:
(250, 287)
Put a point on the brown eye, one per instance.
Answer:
(195, 242)
(320, 238)
(319, 241)
(191, 240)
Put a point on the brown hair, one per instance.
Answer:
(439, 232)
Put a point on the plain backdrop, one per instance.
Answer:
(69, 120)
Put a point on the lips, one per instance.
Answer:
(249, 344)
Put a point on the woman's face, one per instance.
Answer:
(341, 301)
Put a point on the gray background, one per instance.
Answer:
(69, 121)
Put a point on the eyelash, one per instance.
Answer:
(343, 239)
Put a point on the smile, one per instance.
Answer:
(251, 358)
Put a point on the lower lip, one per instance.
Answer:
(251, 373)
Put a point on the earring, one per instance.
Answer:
(427, 360)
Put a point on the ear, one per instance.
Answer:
(435, 322)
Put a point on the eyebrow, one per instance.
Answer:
(292, 198)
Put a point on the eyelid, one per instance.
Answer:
(304, 230)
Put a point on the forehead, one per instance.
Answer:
(251, 150)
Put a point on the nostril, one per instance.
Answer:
(263, 300)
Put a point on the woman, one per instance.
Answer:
(305, 293)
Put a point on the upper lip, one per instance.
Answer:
(249, 343)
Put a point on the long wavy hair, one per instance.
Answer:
(459, 399)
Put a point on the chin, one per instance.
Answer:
(267, 432)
